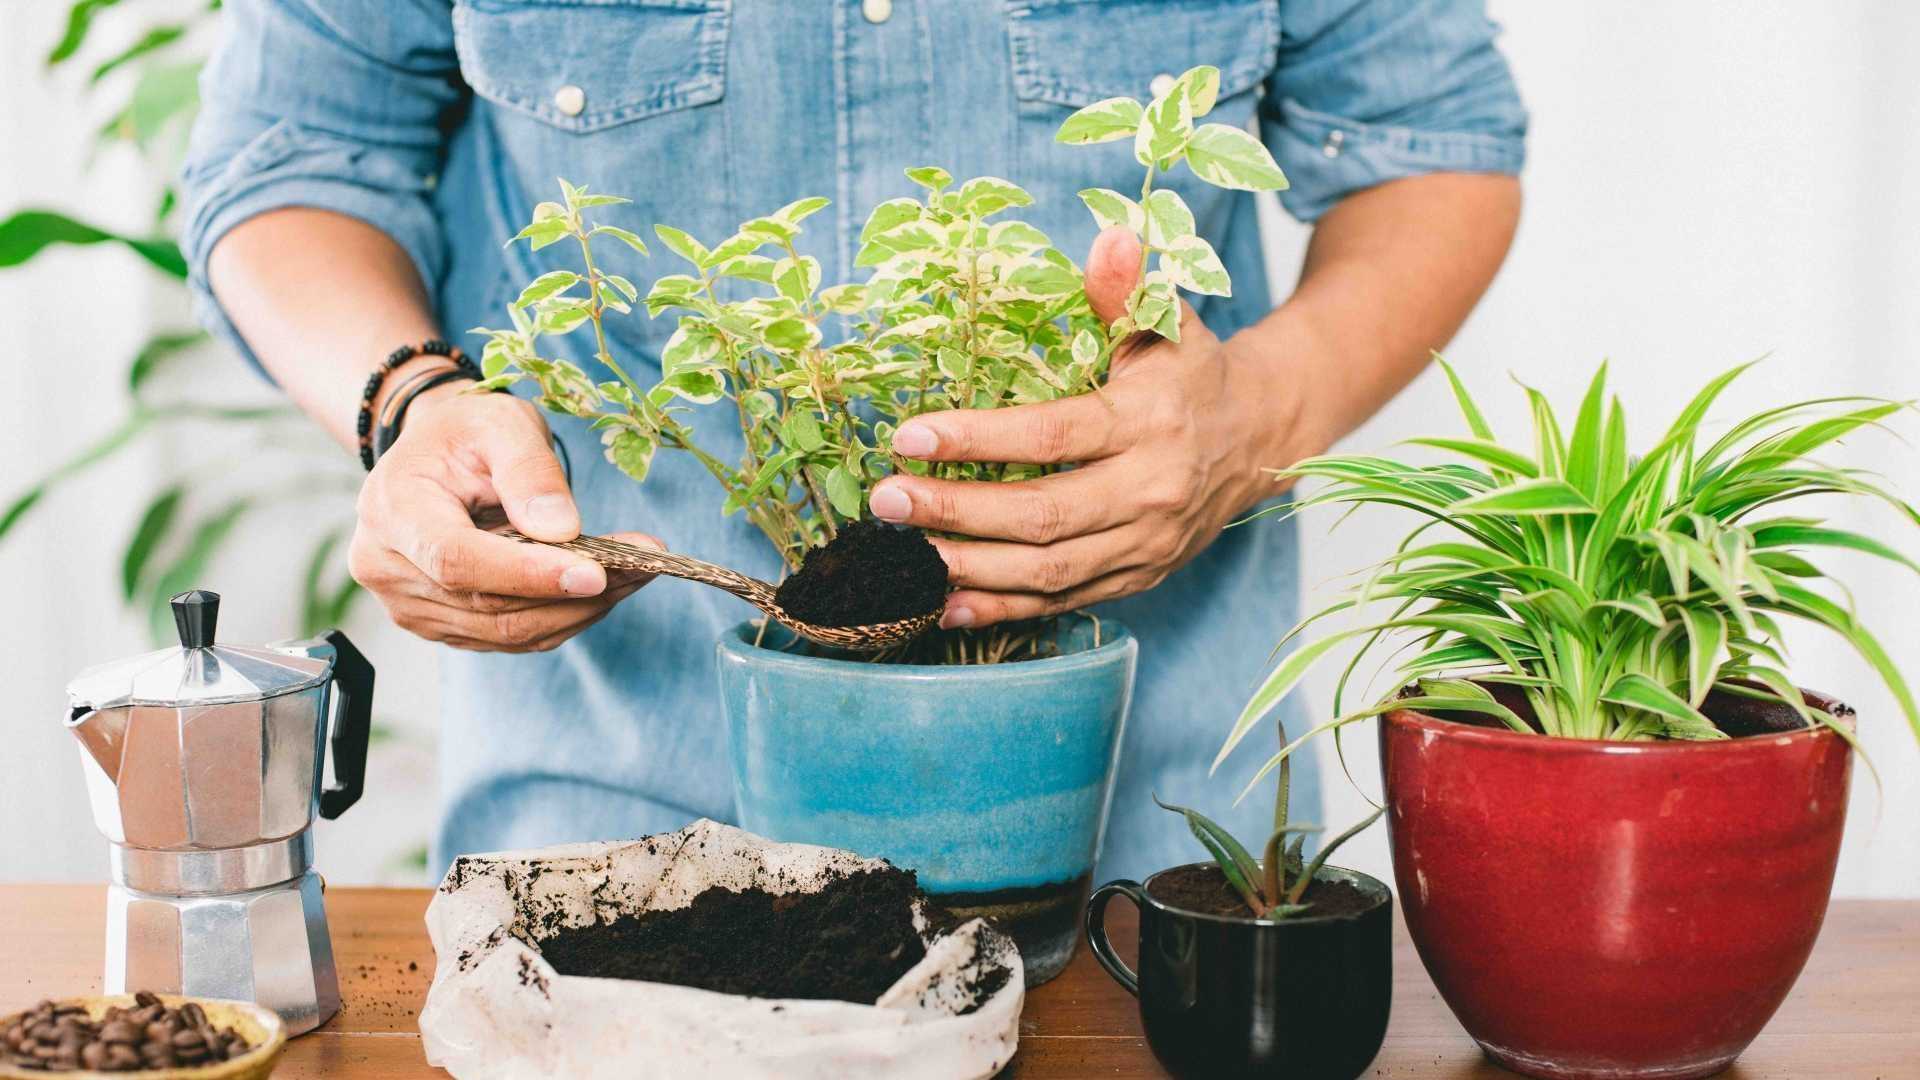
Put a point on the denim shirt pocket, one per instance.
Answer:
(586, 65)
(1072, 53)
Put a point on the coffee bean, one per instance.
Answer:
(193, 1014)
(146, 997)
(121, 1031)
(187, 1038)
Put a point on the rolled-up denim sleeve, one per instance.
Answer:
(1368, 91)
(339, 105)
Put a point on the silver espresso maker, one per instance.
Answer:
(204, 768)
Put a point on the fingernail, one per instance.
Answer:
(552, 513)
(889, 503)
(585, 579)
(956, 617)
(915, 440)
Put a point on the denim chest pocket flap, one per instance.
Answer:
(584, 65)
(1075, 52)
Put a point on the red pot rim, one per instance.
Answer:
(1488, 736)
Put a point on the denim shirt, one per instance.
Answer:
(443, 123)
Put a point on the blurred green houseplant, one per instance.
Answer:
(184, 525)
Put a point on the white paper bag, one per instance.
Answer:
(497, 1010)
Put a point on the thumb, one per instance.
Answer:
(1113, 268)
(528, 480)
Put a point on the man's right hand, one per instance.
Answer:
(464, 457)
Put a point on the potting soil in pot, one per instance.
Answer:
(870, 573)
(1204, 890)
(850, 941)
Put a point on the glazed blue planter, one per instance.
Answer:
(990, 782)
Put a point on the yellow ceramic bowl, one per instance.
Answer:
(262, 1029)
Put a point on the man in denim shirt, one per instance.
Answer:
(358, 165)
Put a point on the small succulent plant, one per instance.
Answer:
(1274, 886)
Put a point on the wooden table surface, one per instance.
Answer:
(1854, 1014)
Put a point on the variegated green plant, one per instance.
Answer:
(1612, 591)
(1274, 886)
(961, 309)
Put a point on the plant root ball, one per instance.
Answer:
(871, 573)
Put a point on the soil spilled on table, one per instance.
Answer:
(870, 573)
(1204, 889)
(850, 941)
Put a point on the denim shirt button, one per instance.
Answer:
(1335, 140)
(877, 11)
(1161, 83)
(570, 100)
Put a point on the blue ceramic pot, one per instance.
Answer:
(990, 782)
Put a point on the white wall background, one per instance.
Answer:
(1707, 182)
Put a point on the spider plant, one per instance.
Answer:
(1613, 592)
(1275, 886)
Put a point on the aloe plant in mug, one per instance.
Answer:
(1591, 745)
(1275, 885)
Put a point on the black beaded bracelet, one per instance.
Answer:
(363, 426)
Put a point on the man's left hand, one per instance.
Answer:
(1168, 454)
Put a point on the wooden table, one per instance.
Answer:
(1854, 1014)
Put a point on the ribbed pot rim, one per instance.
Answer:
(1456, 731)
(1116, 641)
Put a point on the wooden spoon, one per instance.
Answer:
(615, 555)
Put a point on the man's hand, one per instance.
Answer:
(1168, 454)
(464, 457)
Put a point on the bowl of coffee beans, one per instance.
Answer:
(154, 1036)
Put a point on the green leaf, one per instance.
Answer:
(1164, 130)
(1102, 121)
(791, 333)
(1228, 157)
(99, 450)
(1490, 453)
(539, 234)
(1171, 218)
(800, 209)
(801, 430)
(698, 387)
(1797, 535)
(1110, 208)
(1190, 263)
(1201, 85)
(630, 451)
(154, 522)
(28, 232)
(1320, 859)
(1233, 858)
(79, 21)
(797, 278)
(1527, 497)
(1682, 720)
(158, 37)
(843, 491)
(683, 245)
(889, 214)
(626, 237)
(932, 177)
(315, 603)
(1045, 279)
(164, 94)
(548, 284)
(158, 349)
(984, 195)
(1706, 641)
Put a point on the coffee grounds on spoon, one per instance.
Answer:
(870, 573)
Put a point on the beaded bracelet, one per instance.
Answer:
(363, 425)
(402, 399)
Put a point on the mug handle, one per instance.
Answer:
(1097, 931)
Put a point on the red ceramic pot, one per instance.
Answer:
(1601, 910)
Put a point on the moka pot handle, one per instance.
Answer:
(352, 726)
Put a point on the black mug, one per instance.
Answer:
(1305, 998)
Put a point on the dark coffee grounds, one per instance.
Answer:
(1204, 889)
(850, 941)
(871, 573)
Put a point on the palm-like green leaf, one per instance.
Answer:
(1612, 592)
